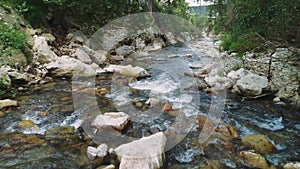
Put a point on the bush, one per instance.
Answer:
(241, 43)
(11, 38)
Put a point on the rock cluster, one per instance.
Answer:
(282, 67)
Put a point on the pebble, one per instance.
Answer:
(138, 104)
(276, 100)
(188, 55)
(43, 114)
(103, 91)
(167, 107)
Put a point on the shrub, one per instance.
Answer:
(11, 38)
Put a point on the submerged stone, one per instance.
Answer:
(259, 143)
(26, 124)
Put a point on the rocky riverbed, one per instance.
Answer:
(172, 106)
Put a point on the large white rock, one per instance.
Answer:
(145, 153)
(251, 84)
(116, 120)
(67, 67)
(236, 75)
(43, 51)
(218, 82)
(128, 70)
(8, 103)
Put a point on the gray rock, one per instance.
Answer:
(236, 75)
(218, 82)
(116, 120)
(251, 85)
(67, 67)
(77, 37)
(91, 152)
(83, 56)
(155, 45)
(195, 65)
(99, 56)
(117, 57)
(100, 151)
(49, 37)
(145, 153)
(125, 50)
(128, 70)
(43, 52)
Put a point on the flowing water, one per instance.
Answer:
(51, 105)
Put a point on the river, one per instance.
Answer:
(51, 105)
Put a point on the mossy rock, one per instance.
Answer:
(259, 143)
(25, 124)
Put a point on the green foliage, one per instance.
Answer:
(11, 38)
(247, 23)
(241, 42)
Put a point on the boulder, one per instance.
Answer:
(236, 75)
(83, 56)
(145, 153)
(43, 52)
(251, 85)
(218, 82)
(8, 103)
(117, 120)
(125, 50)
(127, 70)
(99, 56)
(67, 67)
(259, 143)
(100, 151)
(255, 160)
